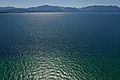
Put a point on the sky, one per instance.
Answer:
(66, 3)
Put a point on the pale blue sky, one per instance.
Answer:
(72, 3)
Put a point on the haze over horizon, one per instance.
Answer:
(65, 3)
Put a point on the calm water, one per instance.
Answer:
(60, 46)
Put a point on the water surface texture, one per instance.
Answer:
(60, 46)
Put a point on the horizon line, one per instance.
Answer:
(60, 6)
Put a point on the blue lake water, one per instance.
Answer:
(60, 46)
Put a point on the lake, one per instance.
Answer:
(60, 46)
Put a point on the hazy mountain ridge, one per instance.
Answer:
(12, 9)
(48, 8)
(96, 8)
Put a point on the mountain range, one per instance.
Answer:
(48, 8)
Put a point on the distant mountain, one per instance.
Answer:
(45, 8)
(48, 8)
(100, 9)
(12, 10)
